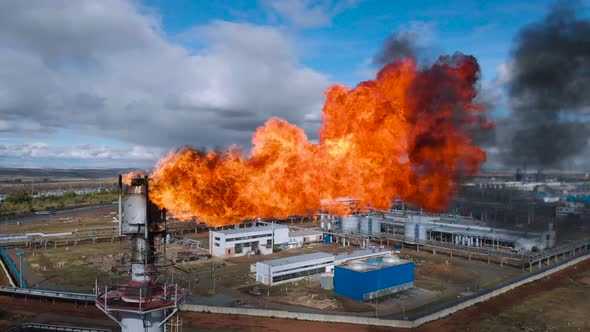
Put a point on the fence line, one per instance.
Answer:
(409, 322)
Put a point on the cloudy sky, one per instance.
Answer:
(119, 83)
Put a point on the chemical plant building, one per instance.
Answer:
(373, 277)
(417, 228)
(301, 237)
(249, 240)
(289, 269)
(473, 234)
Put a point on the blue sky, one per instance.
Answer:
(482, 28)
(72, 112)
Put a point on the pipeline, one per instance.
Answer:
(14, 274)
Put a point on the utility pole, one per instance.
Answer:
(213, 273)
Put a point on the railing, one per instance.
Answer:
(83, 297)
(170, 293)
(139, 299)
(45, 327)
(545, 254)
(472, 249)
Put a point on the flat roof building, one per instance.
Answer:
(241, 241)
(300, 237)
(374, 277)
(288, 269)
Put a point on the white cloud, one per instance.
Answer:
(80, 151)
(504, 73)
(423, 32)
(107, 68)
(308, 14)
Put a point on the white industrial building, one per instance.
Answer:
(288, 269)
(458, 230)
(300, 237)
(476, 234)
(248, 240)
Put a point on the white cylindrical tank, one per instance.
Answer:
(327, 281)
(375, 226)
(421, 231)
(150, 322)
(134, 210)
(410, 231)
(364, 225)
(390, 259)
(358, 266)
(350, 224)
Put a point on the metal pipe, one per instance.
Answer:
(140, 298)
(106, 298)
(120, 203)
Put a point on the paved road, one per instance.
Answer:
(58, 214)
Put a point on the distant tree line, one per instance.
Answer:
(22, 202)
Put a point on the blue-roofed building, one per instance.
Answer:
(374, 277)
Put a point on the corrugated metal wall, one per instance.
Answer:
(355, 284)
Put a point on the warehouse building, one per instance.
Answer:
(301, 237)
(288, 269)
(374, 277)
(248, 240)
(477, 234)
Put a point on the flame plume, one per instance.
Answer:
(403, 134)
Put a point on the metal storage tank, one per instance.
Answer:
(375, 261)
(327, 281)
(391, 259)
(357, 266)
(375, 226)
(364, 225)
(350, 224)
(410, 231)
(421, 231)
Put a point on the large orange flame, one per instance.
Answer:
(403, 134)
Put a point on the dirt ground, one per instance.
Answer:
(557, 303)
(74, 268)
(438, 278)
(15, 310)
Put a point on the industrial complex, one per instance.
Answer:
(146, 269)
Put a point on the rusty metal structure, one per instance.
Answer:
(143, 304)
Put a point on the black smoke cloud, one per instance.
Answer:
(399, 45)
(406, 45)
(549, 90)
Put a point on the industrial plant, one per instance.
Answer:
(153, 269)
